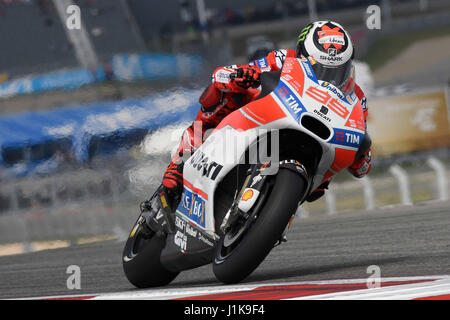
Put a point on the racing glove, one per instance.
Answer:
(362, 166)
(246, 77)
(237, 79)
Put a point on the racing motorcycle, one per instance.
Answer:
(234, 209)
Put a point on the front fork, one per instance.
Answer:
(253, 186)
(247, 196)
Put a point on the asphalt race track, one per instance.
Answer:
(401, 241)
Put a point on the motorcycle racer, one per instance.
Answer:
(329, 49)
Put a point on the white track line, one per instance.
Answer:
(440, 285)
(396, 292)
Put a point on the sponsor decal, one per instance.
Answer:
(262, 63)
(296, 166)
(185, 230)
(288, 66)
(290, 100)
(291, 162)
(347, 138)
(320, 114)
(364, 103)
(191, 231)
(331, 58)
(192, 206)
(280, 55)
(201, 162)
(331, 36)
(357, 124)
(186, 201)
(352, 138)
(180, 240)
(307, 67)
(329, 40)
(304, 33)
(255, 180)
(333, 89)
(222, 76)
(163, 200)
(180, 223)
(247, 195)
(294, 83)
(205, 240)
(340, 136)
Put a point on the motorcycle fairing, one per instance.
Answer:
(298, 95)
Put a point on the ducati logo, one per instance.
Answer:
(324, 110)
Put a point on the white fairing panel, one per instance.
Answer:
(298, 94)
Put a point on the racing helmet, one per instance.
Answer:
(330, 50)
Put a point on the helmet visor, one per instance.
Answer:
(336, 75)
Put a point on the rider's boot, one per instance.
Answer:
(162, 205)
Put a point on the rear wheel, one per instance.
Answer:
(242, 249)
(141, 258)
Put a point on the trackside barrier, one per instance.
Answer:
(369, 195)
(124, 67)
(330, 198)
(403, 183)
(441, 178)
(94, 203)
(402, 180)
(59, 80)
(76, 130)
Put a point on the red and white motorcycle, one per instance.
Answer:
(237, 202)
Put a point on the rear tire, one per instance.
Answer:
(266, 230)
(141, 261)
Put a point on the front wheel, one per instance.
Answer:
(240, 251)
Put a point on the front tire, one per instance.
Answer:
(235, 264)
(141, 259)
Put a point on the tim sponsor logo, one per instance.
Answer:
(290, 100)
(352, 138)
(348, 138)
(262, 63)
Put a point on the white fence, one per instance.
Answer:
(93, 203)
(399, 186)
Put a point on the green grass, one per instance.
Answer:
(389, 47)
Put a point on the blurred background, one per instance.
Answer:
(89, 116)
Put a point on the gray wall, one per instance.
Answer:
(33, 40)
